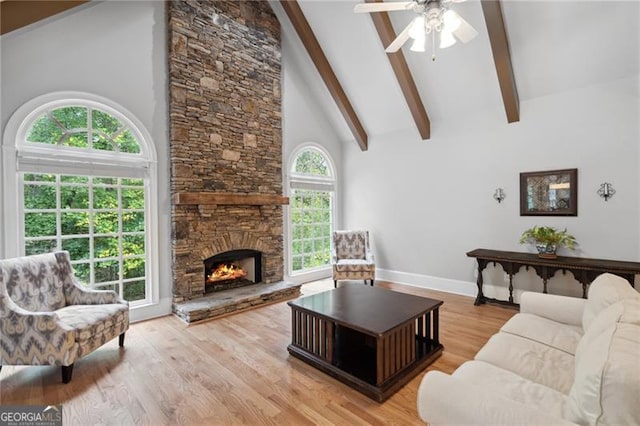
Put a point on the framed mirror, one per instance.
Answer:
(549, 193)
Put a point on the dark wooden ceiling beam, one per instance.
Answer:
(16, 14)
(502, 57)
(310, 42)
(387, 34)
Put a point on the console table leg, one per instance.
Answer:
(511, 288)
(544, 285)
(632, 279)
(584, 291)
(436, 327)
(480, 282)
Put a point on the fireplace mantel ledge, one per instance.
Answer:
(228, 198)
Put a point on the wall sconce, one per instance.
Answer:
(606, 191)
(499, 195)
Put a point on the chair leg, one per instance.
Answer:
(335, 283)
(371, 283)
(67, 372)
(121, 340)
(365, 282)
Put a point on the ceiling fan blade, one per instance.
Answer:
(382, 7)
(465, 32)
(401, 39)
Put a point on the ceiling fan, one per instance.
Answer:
(434, 17)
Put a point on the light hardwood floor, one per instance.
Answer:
(234, 370)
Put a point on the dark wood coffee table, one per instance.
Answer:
(372, 339)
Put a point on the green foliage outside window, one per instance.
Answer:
(69, 126)
(311, 229)
(311, 214)
(311, 162)
(99, 220)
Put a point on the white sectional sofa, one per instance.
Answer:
(561, 360)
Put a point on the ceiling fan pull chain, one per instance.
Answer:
(433, 46)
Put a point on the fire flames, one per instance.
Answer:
(226, 271)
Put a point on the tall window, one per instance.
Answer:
(312, 210)
(84, 174)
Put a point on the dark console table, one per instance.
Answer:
(583, 269)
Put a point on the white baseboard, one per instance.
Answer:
(464, 288)
(142, 313)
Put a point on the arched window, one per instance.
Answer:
(83, 180)
(312, 206)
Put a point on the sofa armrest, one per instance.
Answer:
(334, 257)
(368, 256)
(76, 294)
(19, 329)
(443, 399)
(564, 309)
(43, 320)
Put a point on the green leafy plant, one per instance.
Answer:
(548, 236)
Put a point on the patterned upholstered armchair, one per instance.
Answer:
(351, 257)
(48, 318)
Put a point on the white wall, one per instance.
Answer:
(303, 122)
(428, 203)
(303, 119)
(112, 49)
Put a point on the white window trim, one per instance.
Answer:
(16, 152)
(302, 181)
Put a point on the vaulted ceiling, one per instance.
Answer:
(555, 46)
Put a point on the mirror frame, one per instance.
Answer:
(572, 210)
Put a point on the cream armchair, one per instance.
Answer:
(351, 257)
(48, 318)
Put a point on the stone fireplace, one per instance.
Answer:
(226, 143)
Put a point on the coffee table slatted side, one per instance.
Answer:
(312, 334)
(395, 351)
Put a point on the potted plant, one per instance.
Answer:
(547, 239)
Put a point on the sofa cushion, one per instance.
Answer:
(534, 361)
(627, 311)
(354, 265)
(497, 381)
(542, 330)
(604, 291)
(90, 321)
(94, 342)
(607, 376)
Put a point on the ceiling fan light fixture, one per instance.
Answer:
(446, 39)
(451, 21)
(419, 45)
(431, 17)
(417, 30)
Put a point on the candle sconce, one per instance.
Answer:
(606, 191)
(499, 195)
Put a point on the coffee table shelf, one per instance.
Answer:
(374, 340)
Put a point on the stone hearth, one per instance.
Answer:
(235, 300)
(225, 124)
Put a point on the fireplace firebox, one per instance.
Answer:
(232, 269)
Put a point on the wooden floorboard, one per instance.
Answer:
(234, 370)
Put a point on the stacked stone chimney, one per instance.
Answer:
(225, 121)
